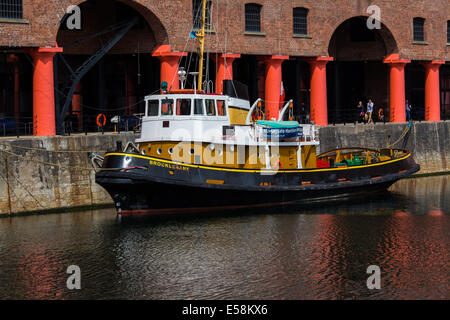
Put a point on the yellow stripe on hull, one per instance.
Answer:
(259, 170)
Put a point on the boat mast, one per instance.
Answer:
(201, 37)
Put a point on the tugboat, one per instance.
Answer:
(200, 151)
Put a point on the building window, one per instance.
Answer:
(197, 14)
(11, 9)
(300, 21)
(448, 31)
(253, 17)
(419, 29)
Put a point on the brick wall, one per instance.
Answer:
(170, 22)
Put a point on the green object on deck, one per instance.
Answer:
(340, 164)
(278, 124)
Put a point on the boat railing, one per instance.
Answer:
(356, 155)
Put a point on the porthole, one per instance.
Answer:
(191, 151)
(159, 151)
(212, 147)
(220, 151)
(170, 150)
(143, 152)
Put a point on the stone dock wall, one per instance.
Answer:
(28, 186)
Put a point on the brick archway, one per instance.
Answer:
(363, 41)
(358, 71)
(151, 32)
(117, 82)
(159, 30)
(147, 12)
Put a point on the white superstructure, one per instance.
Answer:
(206, 118)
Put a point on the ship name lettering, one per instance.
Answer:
(168, 165)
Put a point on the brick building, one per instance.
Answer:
(320, 51)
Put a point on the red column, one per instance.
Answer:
(169, 65)
(397, 104)
(43, 92)
(76, 103)
(12, 58)
(224, 69)
(318, 101)
(273, 85)
(432, 92)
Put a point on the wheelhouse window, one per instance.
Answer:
(153, 108)
(198, 107)
(253, 17)
(221, 110)
(11, 9)
(167, 107)
(300, 21)
(183, 107)
(419, 29)
(197, 14)
(210, 107)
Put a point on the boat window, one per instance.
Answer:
(153, 108)
(210, 107)
(221, 110)
(183, 107)
(198, 109)
(167, 107)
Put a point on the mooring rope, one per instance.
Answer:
(405, 131)
(12, 154)
(54, 151)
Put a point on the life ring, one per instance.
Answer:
(98, 120)
(380, 113)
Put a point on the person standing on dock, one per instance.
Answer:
(408, 111)
(381, 114)
(360, 108)
(369, 111)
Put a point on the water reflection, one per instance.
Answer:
(304, 251)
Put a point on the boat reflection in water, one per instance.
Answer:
(314, 251)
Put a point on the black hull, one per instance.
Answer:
(155, 186)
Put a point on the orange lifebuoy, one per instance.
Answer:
(98, 120)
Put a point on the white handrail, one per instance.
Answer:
(282, 112)
(252, 109)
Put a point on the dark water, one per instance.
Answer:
(319, 251)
